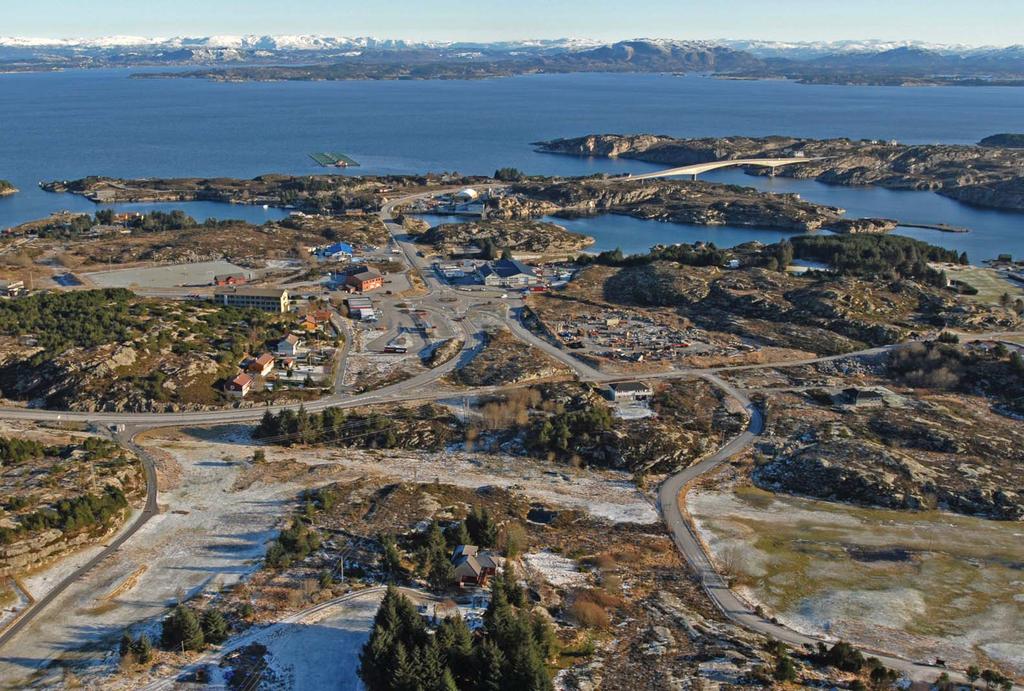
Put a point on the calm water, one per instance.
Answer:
(67, 125)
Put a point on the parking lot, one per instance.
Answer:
(170, 276)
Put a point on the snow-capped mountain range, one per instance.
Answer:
(313, 42)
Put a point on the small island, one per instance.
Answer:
(6, 188)
(1004, 140)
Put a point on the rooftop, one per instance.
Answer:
(277, 293)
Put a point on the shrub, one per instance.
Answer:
(589, 614)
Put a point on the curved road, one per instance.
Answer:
(148, 511)
(668, 496)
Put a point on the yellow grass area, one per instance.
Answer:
(927, 584)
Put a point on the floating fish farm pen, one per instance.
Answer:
(332, 160)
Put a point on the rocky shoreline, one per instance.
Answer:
(692, 203)
(984, 176)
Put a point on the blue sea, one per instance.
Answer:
(70, 124)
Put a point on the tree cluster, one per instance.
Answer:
(295, 543)
(887, 256)
(434, 554)
(509, 175)
(570, 432)
(59, 321)
(14, 450)
(70, 515)
(509, 653)
(183, 629)
(336, 426)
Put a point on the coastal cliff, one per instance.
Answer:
(979, 175)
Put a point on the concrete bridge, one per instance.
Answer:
(696, 169)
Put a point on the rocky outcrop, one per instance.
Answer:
(849, 226)
(981, 175)
(870, 474)
(531, 237)
(696, 203)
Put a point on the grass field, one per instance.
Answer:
(926, 584)
(988, 282)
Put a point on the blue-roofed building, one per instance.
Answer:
(339, 250)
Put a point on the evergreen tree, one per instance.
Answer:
(481, 527)
(490, 665)
(181, 630)
(458, 534)
(142, 649)
(403, 674)
(215, 627)
(125, 646)
(392, 560)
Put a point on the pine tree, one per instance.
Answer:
(458, 534)
(481, 527)
(441, 573)
(403, 671)
(125, 646)
(392, 561)
(490, 665)
(429, 663)
(142, 649)
(447, 682)
(215, 627)
(181, 630)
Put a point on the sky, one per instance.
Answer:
(984, 22)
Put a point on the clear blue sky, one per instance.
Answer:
(948, 21)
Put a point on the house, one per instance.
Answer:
(239, 386)
(289, 346)
(508, 273)
(337, 251)
(12, 288)
(261, 366)
(473, 566)
(365, 280)
(230, 279)
(630, 391)
(267, 299)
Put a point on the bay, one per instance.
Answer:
(102, 122)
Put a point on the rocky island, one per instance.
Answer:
(988, 176)
(7, 188)
(520, 236)
(694, 203)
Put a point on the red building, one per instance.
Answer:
(230, 279)
(365, 280)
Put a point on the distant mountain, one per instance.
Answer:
(310, 56)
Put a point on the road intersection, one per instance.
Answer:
(443, 301)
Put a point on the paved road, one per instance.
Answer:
(441, 299)
(716, 587)
(148, 511)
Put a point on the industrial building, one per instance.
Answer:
(363, 281)
(508, 273)
(361, 308)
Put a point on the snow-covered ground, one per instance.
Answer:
(557, 570)
(209, 534)
(924, 584)
(213, 528)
